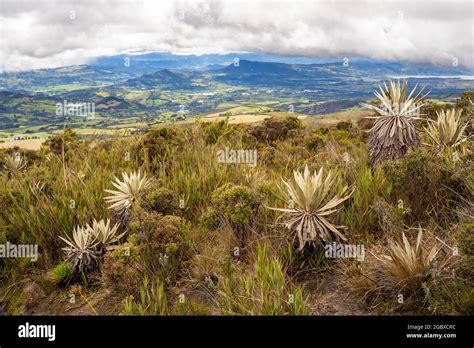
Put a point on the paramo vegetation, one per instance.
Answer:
(153, 224)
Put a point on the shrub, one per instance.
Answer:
(237, 205)
(416, 181)
(389, 218)
(431, 187)
(122, 269)
(162, 200)
(66, 141)
(461, 176)
(315, 142)
(431, 108)
(274, 129)
(465, 239)
(365, 124)
(210, 219)
(165, 243)
(213, 131)
(450, 296)
(466, 102)
(156, 143)
(346, 137)
(344, 125)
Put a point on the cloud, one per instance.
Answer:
(56, 33)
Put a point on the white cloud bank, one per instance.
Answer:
(51, 33)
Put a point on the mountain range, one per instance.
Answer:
(156, 83)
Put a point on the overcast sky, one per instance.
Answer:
(52, 33)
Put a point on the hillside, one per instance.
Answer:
(207, 220)
(150, 89)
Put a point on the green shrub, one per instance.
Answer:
(417, 181)
(465, 239)
(450, 296)
(430, 186)
(237, 204)
(155, 145)
(66, 141)
(462, 176)
(210, 219)
(266, 189)
(432, 107)
(162, 200)
(165, 243)
(213, 131)
(273, 129)
(315, 142)
(122, 269)
(344, 125)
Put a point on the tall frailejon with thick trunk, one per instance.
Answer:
(393, 132)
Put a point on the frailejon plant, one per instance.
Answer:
(90, 242)
(14, 164)
(129, 192)
(406, 265)
(106, 234)
(393, 132)
(447, 131)
(315, 198)
(81, 249)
